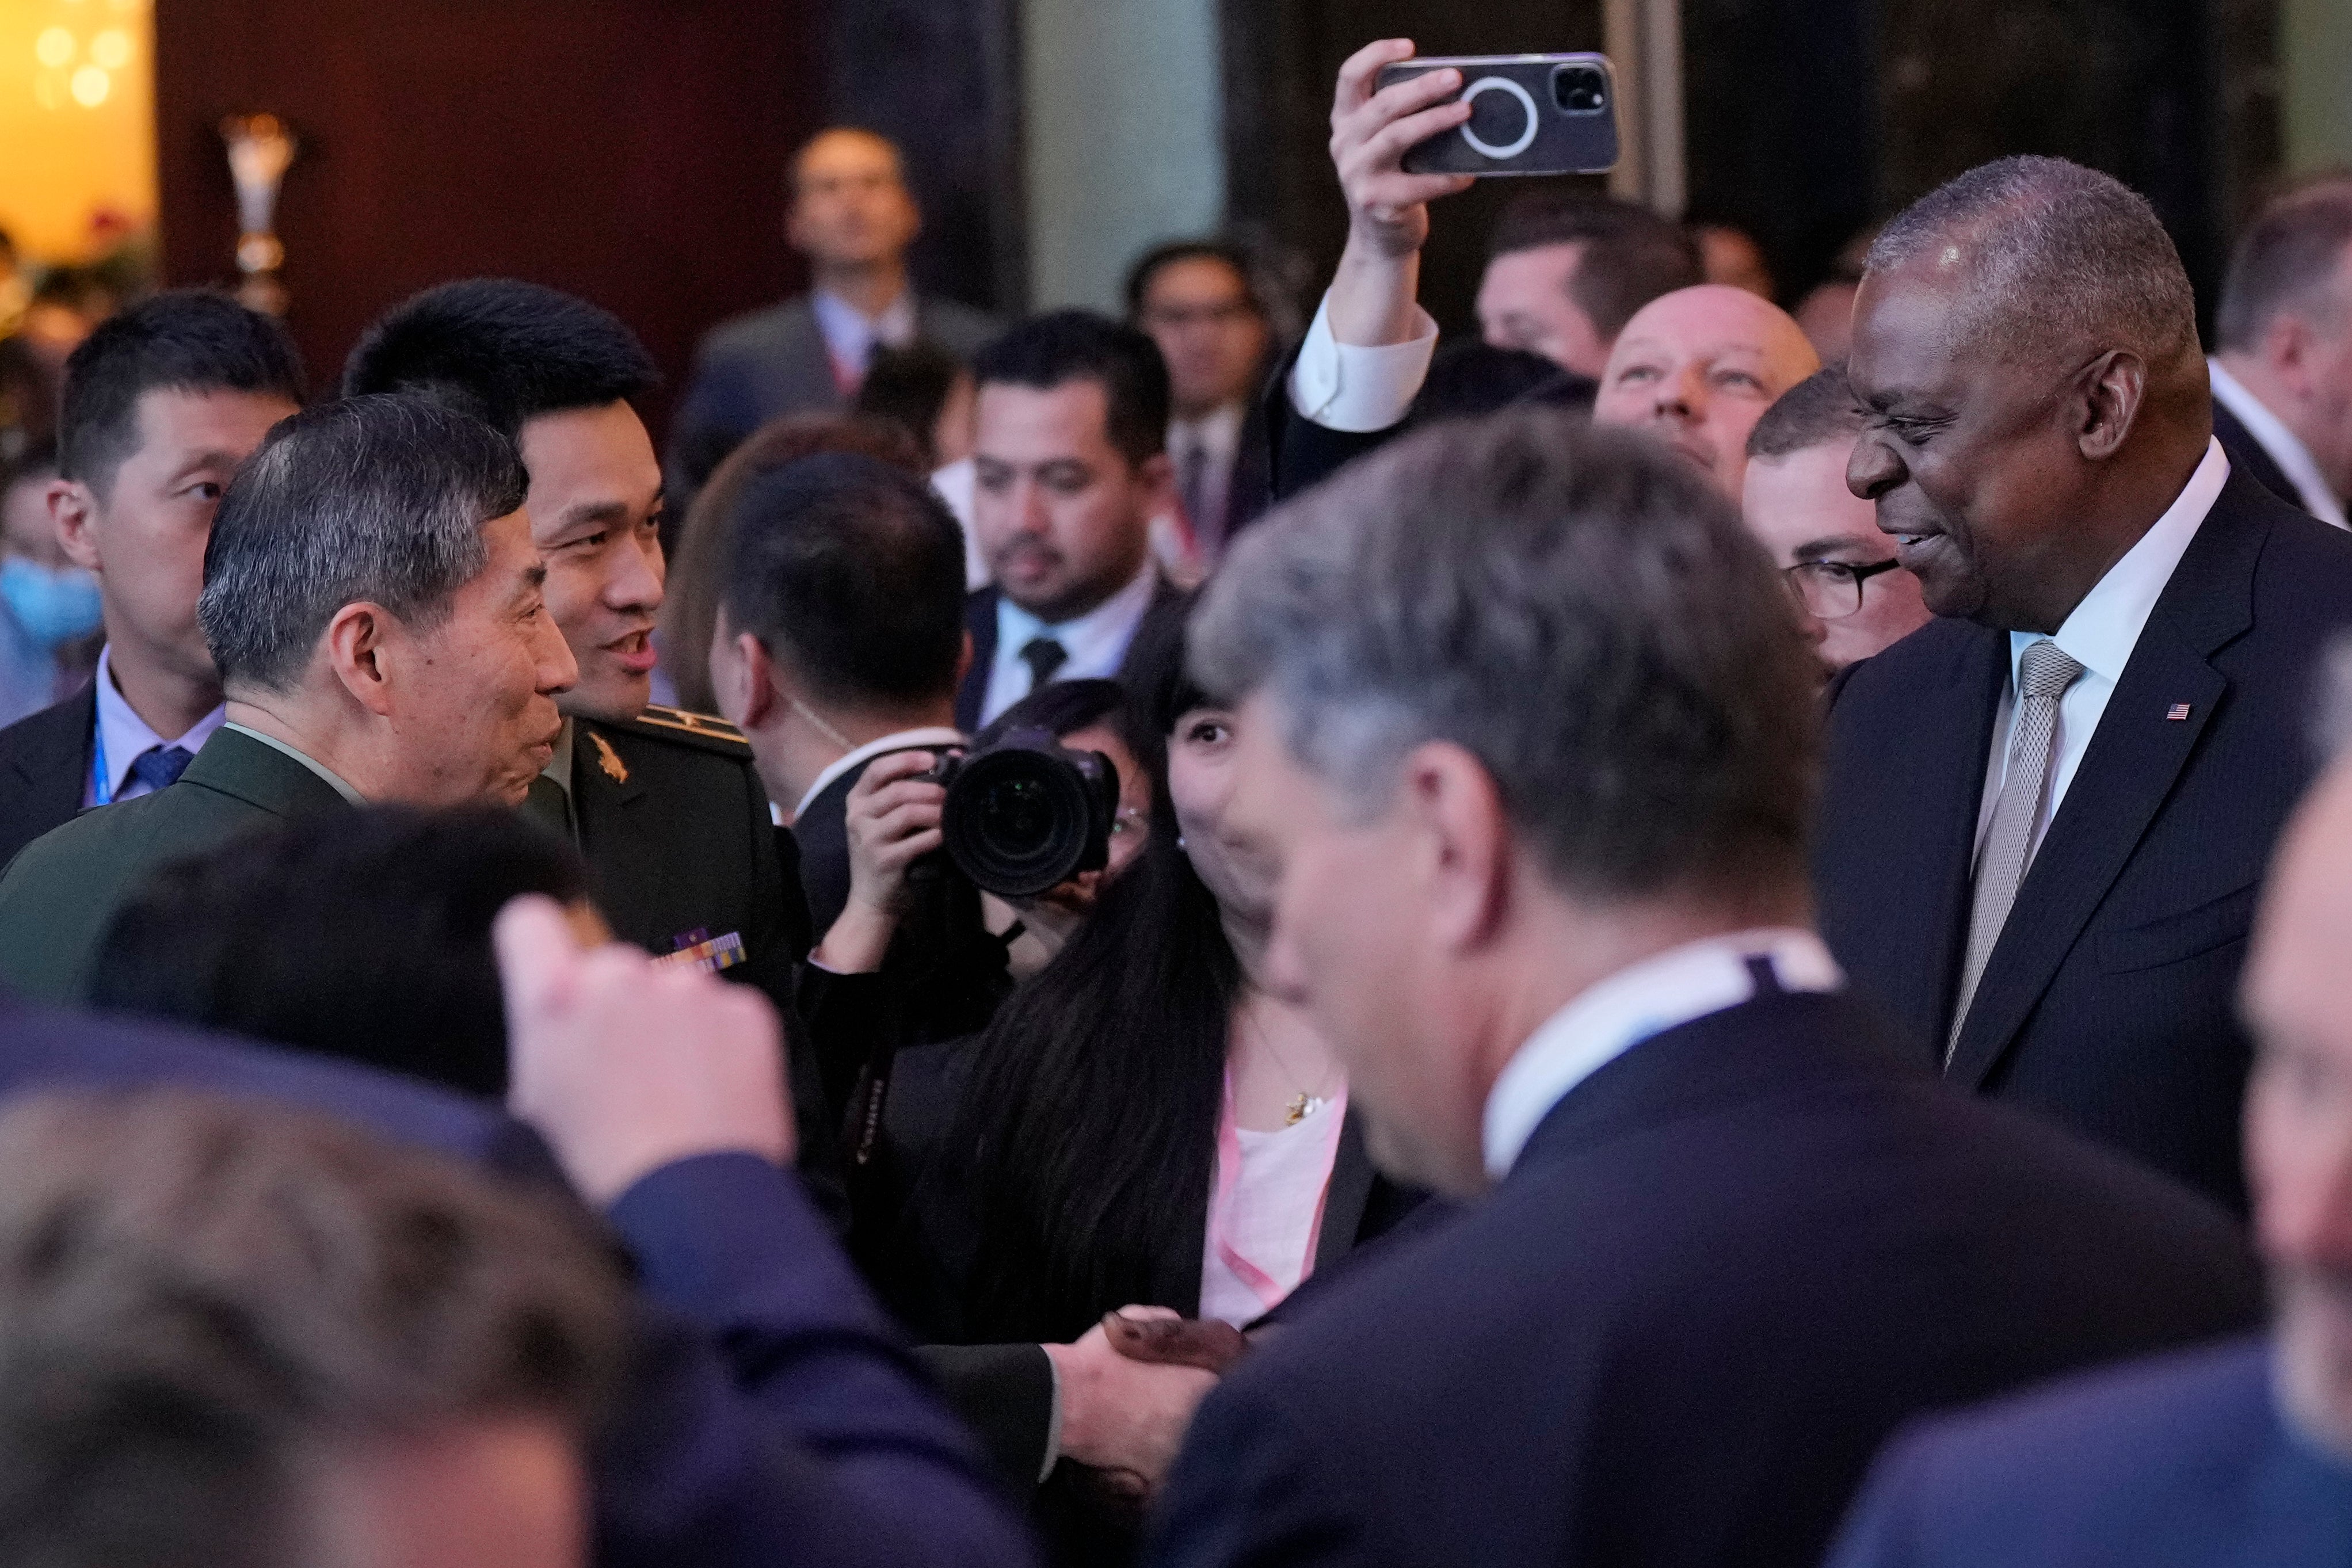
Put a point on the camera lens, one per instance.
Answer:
(1024, 814)
(1016, 817)
(1580, 89)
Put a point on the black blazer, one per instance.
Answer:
(1725, 1268)
(1168, 602)
(2251, 457)
(927, 1253)
(2110, 1001)
(44, 764)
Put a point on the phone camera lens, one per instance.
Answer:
(1580, 89)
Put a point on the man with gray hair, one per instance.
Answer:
(1526, 745)
(2046, 811)
(2240, 1453)
(373, 600)
(2282, 367)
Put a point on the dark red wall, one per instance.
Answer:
(630, 150)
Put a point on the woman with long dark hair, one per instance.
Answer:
(1142, 1125)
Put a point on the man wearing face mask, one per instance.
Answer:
(161, 404)
(50, 608)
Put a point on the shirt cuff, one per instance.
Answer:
(1053, 1423)
(1345, 386)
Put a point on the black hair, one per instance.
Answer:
(1632, 255)
(1091, 1113)
(1821, 408)
(187, 339)
(911, 387)
(852, 570)
(1057, 708)
(502, 350)
(1149, 265)
(363, 935)
(1052, 351)
(37, 461)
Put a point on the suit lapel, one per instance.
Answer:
(620, 837)
(2129, 769)
(1937, 787)
(1344, 1199)
(806, 365)
(56, 770)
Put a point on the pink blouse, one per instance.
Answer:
(1265, 1211)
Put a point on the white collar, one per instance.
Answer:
(839, 319)
(1095, 641)
(1219, 431)
(2286, 447)
(123, 736)
(2101, 632)
(931, 739)
(1664, 991)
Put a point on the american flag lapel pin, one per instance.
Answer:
(2178, 713)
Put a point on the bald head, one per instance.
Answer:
(1698, 367)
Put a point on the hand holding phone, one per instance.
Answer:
(1528, 114)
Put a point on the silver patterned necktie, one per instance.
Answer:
(2043, 677)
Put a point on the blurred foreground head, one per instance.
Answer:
(237, 1336)
(1507, 690)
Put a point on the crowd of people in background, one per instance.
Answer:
(1716, 938)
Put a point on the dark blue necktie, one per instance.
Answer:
(159, 766)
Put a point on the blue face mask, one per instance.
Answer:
(52, 604)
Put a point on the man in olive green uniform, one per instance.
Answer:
(664, 805)
(373, 602)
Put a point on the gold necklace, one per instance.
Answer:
(1299, 1106)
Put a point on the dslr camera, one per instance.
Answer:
(1025, 813)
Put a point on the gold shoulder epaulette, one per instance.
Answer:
(710, 731)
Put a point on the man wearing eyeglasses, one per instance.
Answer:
(1196, 300)
(1856, 598)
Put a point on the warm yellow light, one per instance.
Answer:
(77, 137)
(90, 85)
(112, 48)
(54, 47)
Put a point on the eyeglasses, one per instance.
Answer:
(1832, 590)
(1127, 821)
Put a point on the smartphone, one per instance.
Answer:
(1529, 114)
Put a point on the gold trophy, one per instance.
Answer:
(260, 150)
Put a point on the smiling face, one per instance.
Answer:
(144, 531)
(595, 508)
(1972, 462)
(1698, 367)
(1063, 516)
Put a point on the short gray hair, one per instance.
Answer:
(1574, 606)
(2071, 260)
(2285, 262)
(379, 499)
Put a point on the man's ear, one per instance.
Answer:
(357, 642)
(754, 673)
(73, 511)
(1462, 842)
(964, 659)
(1157, 474)
(2287, 344)
(2108, 395)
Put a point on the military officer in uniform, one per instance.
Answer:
(665, 804)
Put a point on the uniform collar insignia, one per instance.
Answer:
(609, 760)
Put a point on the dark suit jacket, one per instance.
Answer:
(1168, 603)
(44, 765)
(2181, 1462)
(1006, 1391)
(58, 897)
(2110, 1001)
(773, 362)
(1726, 1265)
(2251, 457)
(771, 1414)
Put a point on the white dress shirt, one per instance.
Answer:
(850, 335)
(1343, 386)
(1217, 436)
(932, 739)
(955, 484)
(2100, 635)
(122, 738)
(2286, 447)
(1096, 641)
(1661, 992)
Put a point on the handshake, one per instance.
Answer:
(1128, 1388)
